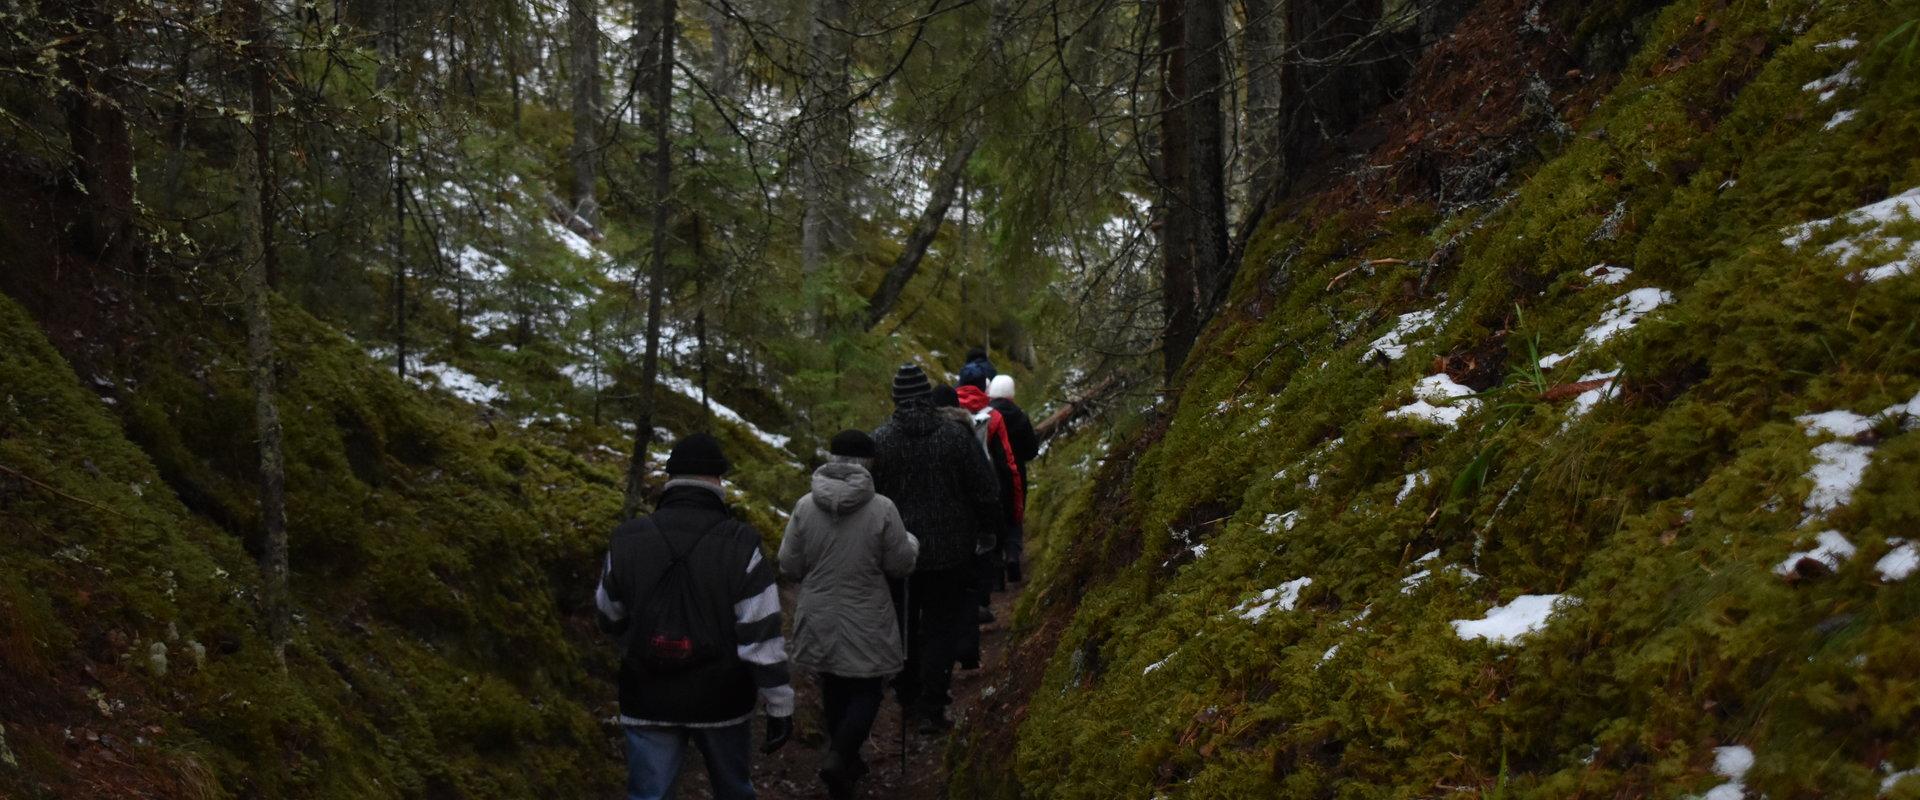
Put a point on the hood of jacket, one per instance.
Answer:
(841, 489)
(972, 399)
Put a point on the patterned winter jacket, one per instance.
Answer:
(937, 476)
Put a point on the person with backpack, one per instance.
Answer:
(843, 542)
(1026, 448)
(978, 369)
(935, 474)
(947, 401)
(698, 618)
(990, 567)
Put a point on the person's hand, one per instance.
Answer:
(779, 730)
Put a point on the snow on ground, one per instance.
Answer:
(1507, 624)
(1276, 523)
(1607, 274)
(1903, 255)
(1281, 598)
(1847, 43)
(1625, 313)
(574, 242)
(1898, 563)
(1831, 85)
(1830, 548)
(1837, 470)
(456, 381)
(1395, 343)
(1408, 484)
(1730, 762)
(1840, 118)
(1592, 397)
(1158, 664)
(1439, 400)
(686, 387)
(1551, 360)
(1894, 778)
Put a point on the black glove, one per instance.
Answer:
(779, 730)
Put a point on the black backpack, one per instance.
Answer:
(673, 631)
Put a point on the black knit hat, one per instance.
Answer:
(945, 396)
(851, 443)
(698, 454)
(909, 384)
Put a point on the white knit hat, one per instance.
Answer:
(1001, 387)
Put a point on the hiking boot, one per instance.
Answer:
(933, 721)
(838, 777)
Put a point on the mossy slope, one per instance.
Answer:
(1661, 512)
(439, 575)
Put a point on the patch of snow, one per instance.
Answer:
(1841, 118)
(1894, 778)
(1157, 664)
(1831, 85)
(574, 242)
(1830, 548)
(1507, 624)
(1847, 43)
(1276, 523)
(1412, 582)
(1281, 598)
(1607, 274)
(1313, 481)
(686, 387)
(1447, 416)
(1592, 397)
(1551, 360)
(1331, 652)
(1898, 563)
(1394, 344)
(1871, 217)
(1730, 762)
(1625, 313)
(1440, 388)
(1838, 423)
(1429, 556)
(1837, 470)
(1407, 485)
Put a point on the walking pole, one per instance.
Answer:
(906, 636)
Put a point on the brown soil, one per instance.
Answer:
(790, 773)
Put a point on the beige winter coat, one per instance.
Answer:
(842, 544)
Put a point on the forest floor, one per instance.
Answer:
(791, 773)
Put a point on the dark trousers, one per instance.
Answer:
(851, 706)
(654, 753)
(938, 611)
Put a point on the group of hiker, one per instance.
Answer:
(897, 550)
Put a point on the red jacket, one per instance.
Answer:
(974, 400)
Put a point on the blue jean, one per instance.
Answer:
(654, 754)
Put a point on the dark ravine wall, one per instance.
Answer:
(1269, 586)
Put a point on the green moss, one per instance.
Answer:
(1664, 510)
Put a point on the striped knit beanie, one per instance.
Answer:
(910, 384)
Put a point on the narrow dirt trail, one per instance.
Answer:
(790, 773)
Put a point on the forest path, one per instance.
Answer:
(791, 774)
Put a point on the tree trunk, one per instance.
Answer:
(97, 129)
(1178, 280)
(583, 62)
(828, 122)
(662, 114)
(256, 224)
(1261, 52)
(924, 230)
(1338, 70)
(1206, 82)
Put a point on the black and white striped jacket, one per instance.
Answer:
(733, 579)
